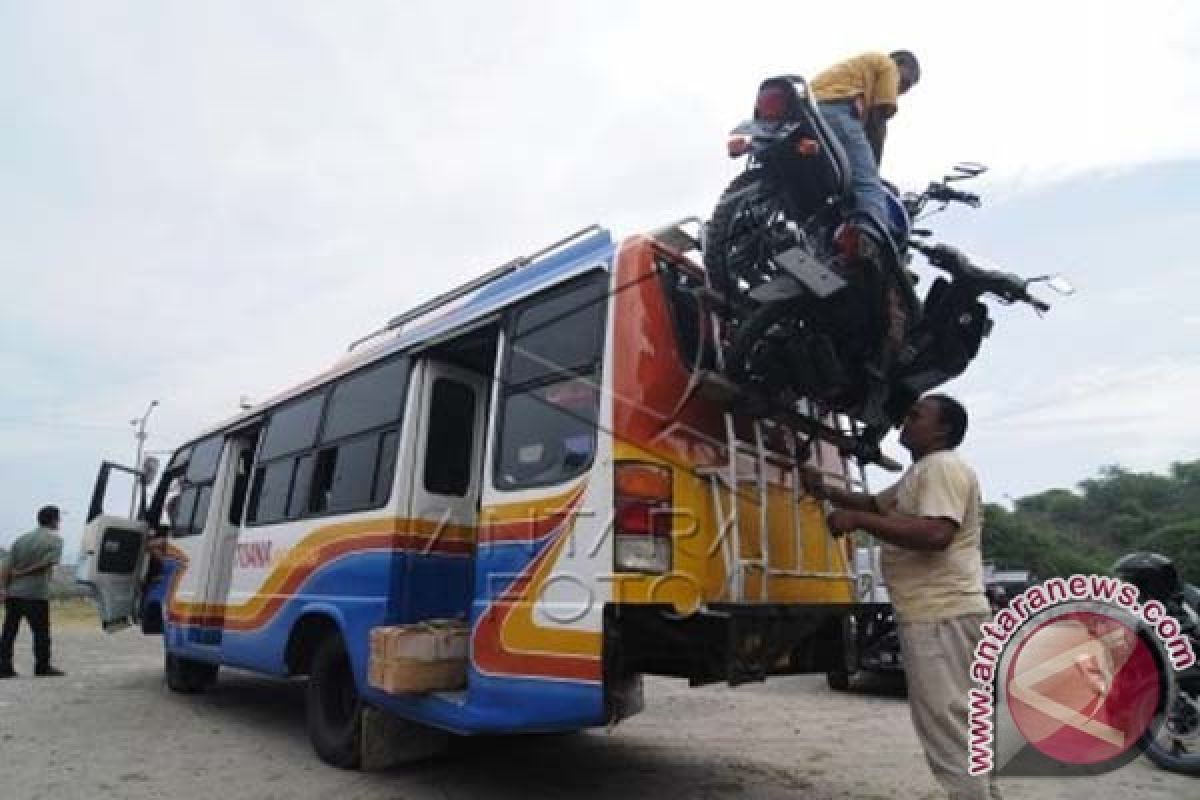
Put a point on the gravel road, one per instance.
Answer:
(112, 730)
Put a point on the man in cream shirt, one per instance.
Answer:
(930, 524)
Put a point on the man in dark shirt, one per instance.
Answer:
(30, 563)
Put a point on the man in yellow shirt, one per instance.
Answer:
(857, 97)
(931, 526)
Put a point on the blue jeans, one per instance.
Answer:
(864, 172)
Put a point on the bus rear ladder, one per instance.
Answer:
(834, 437)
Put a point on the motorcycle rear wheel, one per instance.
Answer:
(744, 232)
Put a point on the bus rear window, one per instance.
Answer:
(693, 337)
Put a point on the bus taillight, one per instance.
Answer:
(642, 522)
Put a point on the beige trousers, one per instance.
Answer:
(937, 665)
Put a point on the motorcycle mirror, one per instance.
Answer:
(149, 470)
(965, 170)
(1061, 285)
(1056, 282)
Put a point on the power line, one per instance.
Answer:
(38, 423)
(1062, 399)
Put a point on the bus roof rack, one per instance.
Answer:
(445, 298)
(676, 237)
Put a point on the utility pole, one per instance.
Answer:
(140, 435)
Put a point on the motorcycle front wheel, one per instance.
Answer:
(779, 348)
(1169, 750)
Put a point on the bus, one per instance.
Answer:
(541, 454)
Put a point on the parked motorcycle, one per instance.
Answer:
(1177, 746)
(820, 304)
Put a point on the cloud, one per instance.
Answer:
(1107, 400)
(1063, 429)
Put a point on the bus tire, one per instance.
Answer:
(188, 676)
(841, 678)
(839, 681)
(333, 708)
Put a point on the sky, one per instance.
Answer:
(205, 202)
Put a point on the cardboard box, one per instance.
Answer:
(429, 656)
(436, 640)
(408, 677)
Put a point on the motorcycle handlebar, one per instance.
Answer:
(942, 192)
(1004, 285)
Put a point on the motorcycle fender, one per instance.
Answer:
(767, 131)
(765, 136)
(781, 287)
(801, 265)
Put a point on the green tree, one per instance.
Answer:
(1058, 531)
(1012, 540)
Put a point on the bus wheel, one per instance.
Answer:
(839, 681)
(334, 709)
(842, 678)
(186, 676)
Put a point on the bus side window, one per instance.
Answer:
(344, 476)
(449, 443)
(356, 459)
(190, 488)
(290, 433)
(241, 483)
(336, 462)
(551, 397)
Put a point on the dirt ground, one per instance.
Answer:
(112, 730)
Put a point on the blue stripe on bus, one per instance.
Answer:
(355, 591)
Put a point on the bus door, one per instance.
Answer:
(193, 479)
(112, 559)
(224, 525)
(446, 469)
